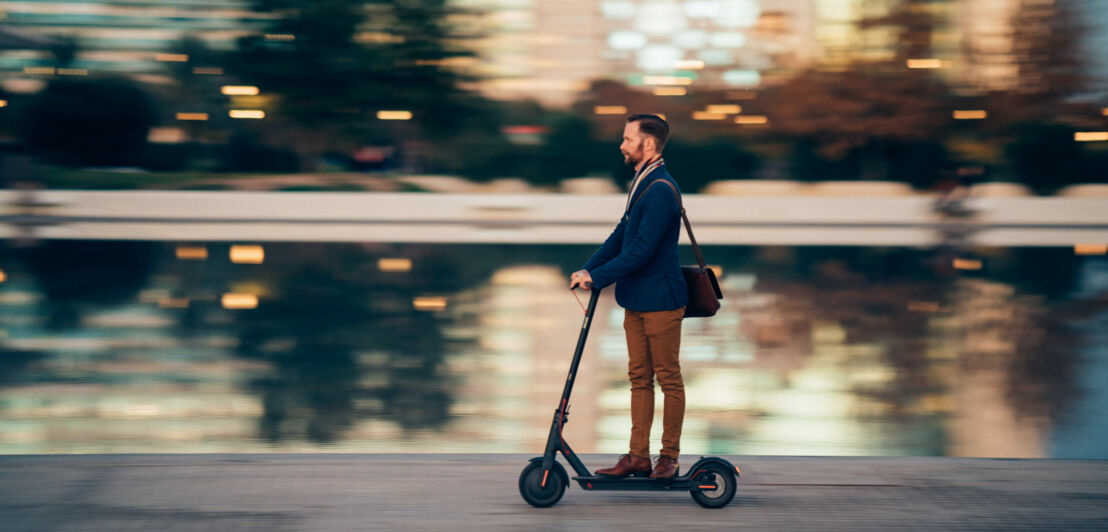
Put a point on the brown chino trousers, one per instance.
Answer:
(653, 344)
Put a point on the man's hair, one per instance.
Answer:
(654, 126)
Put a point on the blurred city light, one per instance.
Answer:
(39, 70)
(3, 276)
(192, 116)
(394, 265)
(3, 103)
(192, 252)
(667, 80)
(172, 58)
(210, 71)
(610, 110)
(239, 301)
(967, 264)
(250, 114)
(73, 71)
(689, 64)
(166, 135)
(974, 114)
(925, 63)
(239, 90)
(724, 109)
(247, 254)
(752, 119)
(706, 115)
(280, 37)
(429, 303)
(670, 91)
(1090, 136)
(1091, 249)
(394, 115)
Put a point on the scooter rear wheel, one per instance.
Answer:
(534, 492)
(725, 482)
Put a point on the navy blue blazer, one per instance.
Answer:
(640, 255)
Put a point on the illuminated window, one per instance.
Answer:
(692, 39)
(742, 77)
(617, 9)
(659, 58)
(626, 40)
(728, 40)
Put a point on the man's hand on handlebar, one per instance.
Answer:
(580, 279)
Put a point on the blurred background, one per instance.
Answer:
(334, 225)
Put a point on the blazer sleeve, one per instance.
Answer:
(609, 249)
(658, 212)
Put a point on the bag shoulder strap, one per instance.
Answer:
(681, 205)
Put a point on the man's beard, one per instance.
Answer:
(630, 160)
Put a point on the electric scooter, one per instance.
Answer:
(542, 483)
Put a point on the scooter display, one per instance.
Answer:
(712, 482)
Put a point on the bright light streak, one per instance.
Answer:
(38, 70)
(925, 63)
(752, 120)
(211, 71)
(73, 71)
(172, 58)
(610, 110)
(967, 264)
(705, 115)
(670, 91)
(247, 254)
(3, 103)
(280, 37)
(239, 301)
(192, 252)
(971, 114)
(1091, 249)
(724, 109)
(1104, 111)
(666, 80)
(254, 114)
(3, 276)
(689, 64)
(429, 303)
(192, 116)
(1090, 136)
(394, 265)
(394, 115)
(239, 90)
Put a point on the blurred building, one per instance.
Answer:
(139, 39)
(550, 50)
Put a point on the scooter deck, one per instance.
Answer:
(638, 484)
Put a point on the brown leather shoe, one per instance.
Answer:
(627, 465)
(666, 468)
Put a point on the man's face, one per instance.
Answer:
(632, 144)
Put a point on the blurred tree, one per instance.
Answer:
(102, 122)
(333, 64)
(77, 277)
(877, 111)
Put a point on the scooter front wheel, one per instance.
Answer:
(542, 488)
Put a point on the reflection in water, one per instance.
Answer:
(129, 347)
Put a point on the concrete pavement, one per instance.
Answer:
(478, 492)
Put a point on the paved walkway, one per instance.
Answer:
(478, 492)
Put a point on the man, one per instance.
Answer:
(641, 256)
